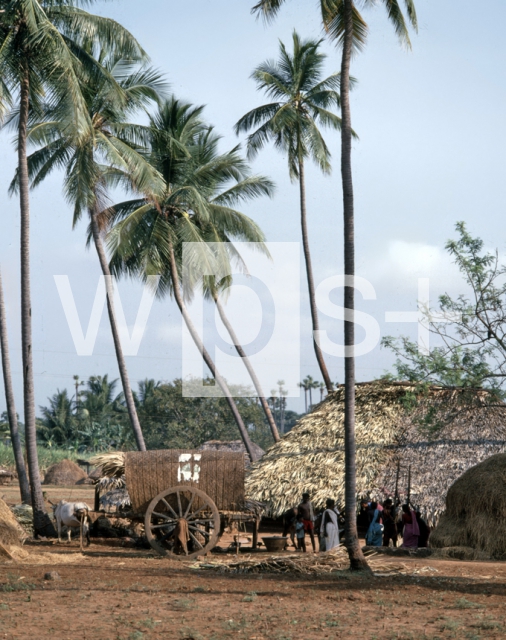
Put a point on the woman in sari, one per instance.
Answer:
(329, 528)
(374, 535)
(411, 531)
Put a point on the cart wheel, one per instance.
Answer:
(182, 522)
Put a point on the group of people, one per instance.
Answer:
(302, 520)
(383, 523)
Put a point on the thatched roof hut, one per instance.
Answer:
(475, 513)
(64, 473)
(437, 433)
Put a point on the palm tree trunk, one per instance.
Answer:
(310, 279)
(24, 485)
(357, 559)
(207, 358)
(249, 367)
(41, 522)
(127, 390)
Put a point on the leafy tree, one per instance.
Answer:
(472, 350)
(197, 207)
(173, 421)
(109, 154)
(97, 423)
(44, 55)
(345, 25)
(302, 102)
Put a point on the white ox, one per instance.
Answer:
(72, 515)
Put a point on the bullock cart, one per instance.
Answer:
(187, 497)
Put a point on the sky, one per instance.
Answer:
(432, 139)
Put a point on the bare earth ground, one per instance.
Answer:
(121, 594)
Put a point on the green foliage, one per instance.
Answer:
(203, 189)
(97, 421)
(301, 101)
(170, 420)
(47, 457)
(333, 19)
(473, 351)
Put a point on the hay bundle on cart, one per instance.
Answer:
(181, 494)
(475, 513)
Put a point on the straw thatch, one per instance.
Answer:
(111, 464)
(11, 533)
(475, 513)
(64, 473)
(437, 432)
(219, 474)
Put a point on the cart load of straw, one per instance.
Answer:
(475, 513)
(64, 473)
(11, 533)
(219, 474)
(410, 439)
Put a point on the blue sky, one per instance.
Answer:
(432, 139)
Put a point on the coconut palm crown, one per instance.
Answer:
(302, 101)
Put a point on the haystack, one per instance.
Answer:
(11, 534)
(402, 431)
(65, 472)
(475, 513)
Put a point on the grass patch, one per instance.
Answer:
(464, 603)
(47, 457)
(250, 597)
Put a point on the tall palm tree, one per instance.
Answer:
(344, 24)
(109, 154)
(24, 485)
(44, 52)
(149, 240)
(302, 102)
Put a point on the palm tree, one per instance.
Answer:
(45, 50)
(109, 154)
(58, 424)
(302, 102)
(344, 24)
(303, 385)
(24, 485)
(149, 240)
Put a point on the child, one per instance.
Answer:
(300, 533)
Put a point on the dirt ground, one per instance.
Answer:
(126, 594)
(131, 595)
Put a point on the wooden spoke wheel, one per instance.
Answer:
(182, 522)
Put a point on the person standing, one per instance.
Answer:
(307, 512)
(411, 531)
(329, 528)
(300, 533)
(389, 525)
(289, 519)
(374, 535)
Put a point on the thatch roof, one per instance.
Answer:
(64, 473)
(475, 513)
(438, 432)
